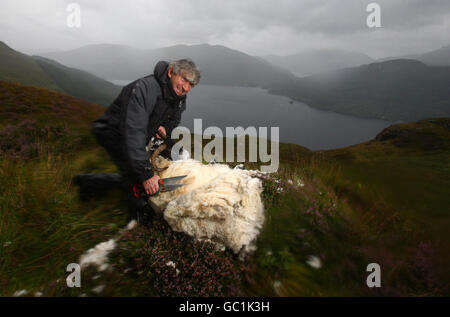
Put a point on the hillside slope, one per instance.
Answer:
(319, 61)
(44, 73)
(409, 165)
(79, 84)
(18, 67)
(405, 90)
(219, 65)
(438, 57)
(32, 116)
(328, 215)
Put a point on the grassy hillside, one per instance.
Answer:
(18, 67)
(80, 84)
(408, 164)
(45, 73)
(328, 215)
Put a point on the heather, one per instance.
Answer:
(328, 215)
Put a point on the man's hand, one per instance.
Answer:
(161, 131)
(151, 185)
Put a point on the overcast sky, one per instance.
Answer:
(256, 27)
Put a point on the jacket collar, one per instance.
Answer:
(160, 73)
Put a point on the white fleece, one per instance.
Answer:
(217, 203)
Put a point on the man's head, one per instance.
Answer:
(183, 75)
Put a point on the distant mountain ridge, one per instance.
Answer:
(79, 83)
(45, 73)
(318, 61)
(402, 89)
(219, 64)
(438, 57)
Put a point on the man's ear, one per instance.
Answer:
(170, 72)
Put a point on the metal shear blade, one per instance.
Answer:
(172, 180)
(168, 188)
(168, 184)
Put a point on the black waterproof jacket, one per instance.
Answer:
(134, 117)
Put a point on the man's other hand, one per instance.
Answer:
(162, 131)
(151, 185)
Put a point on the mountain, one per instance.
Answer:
(219, 65)
(439, 57)
(318, 61)
(393, 90)
(79, 84)
(45, 73)
(107, 61)
(405, 90)
(18, 67)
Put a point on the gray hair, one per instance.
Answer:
(188, 69)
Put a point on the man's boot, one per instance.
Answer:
(95, 184)
(145, 216)
(140, 210)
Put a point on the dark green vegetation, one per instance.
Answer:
(18, 67)
(384, 201)
(45, 73)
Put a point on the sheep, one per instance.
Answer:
(217, 203)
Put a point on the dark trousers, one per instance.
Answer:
(99, 182)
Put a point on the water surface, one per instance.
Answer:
(298, 123)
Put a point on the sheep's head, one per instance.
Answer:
(154, 159)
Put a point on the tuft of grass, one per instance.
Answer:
(43, 225)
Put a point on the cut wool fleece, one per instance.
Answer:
(217, 203)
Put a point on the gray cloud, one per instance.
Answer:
(253, 26)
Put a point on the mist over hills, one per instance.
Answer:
(45, 73)
(402, 89)
(79, 83)
(219, 65)
(439, 57)
(318, 61)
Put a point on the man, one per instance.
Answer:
(144, 107)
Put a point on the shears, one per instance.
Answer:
(164, 185)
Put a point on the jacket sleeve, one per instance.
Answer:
(173, 122)
(135, 118)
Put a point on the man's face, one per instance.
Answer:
(180, 84)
